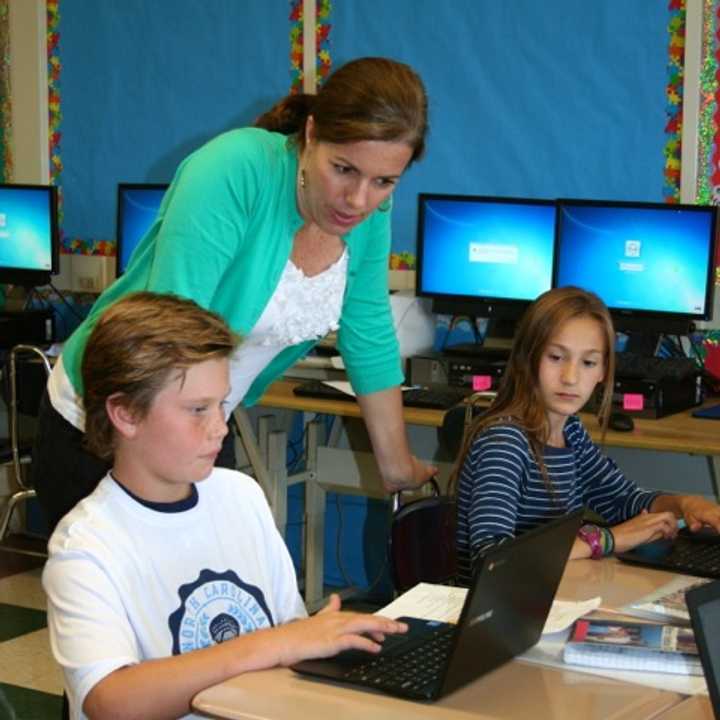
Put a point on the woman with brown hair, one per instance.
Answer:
(529, 459)
(284, 230)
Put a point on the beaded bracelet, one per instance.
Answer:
(607, 541)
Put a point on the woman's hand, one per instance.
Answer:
(330, 632)
(644, 528)
(399, 468)
(419, 474)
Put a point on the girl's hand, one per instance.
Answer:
(644, 528)
(331, 631)
(699, 512)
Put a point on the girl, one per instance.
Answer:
(529, 458)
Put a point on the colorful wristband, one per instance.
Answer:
(592, 535)
(608, 541)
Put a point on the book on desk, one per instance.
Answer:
(647, 647)
(667, 603)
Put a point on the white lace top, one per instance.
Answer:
(301, 308)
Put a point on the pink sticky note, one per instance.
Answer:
(481, 382)
(633, 401)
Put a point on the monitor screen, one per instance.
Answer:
(29, 239)
(645, 260)
(137, 207)
(479, 252)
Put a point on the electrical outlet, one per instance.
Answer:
(92, 273)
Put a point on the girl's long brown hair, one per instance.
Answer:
(518, 400)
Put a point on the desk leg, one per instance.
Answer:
(315, 496)
(277, 470)
(249, 442)
(714, 470)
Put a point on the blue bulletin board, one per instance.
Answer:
(531, 99)
(144, 83)
(526, 98)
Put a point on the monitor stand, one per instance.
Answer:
(495, 346)
(642, 343)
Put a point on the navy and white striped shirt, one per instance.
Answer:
(502, 493)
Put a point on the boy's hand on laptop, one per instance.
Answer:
(332, 631)
(644, 528)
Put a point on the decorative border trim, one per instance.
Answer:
(707, 179)
(6, 158)
(673, 127)
(322, 39)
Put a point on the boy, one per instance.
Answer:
(160, 585)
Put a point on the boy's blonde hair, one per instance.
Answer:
(135, 347)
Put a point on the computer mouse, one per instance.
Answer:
(620, 422)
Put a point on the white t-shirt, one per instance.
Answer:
(126, 582)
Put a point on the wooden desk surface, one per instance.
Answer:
(516, 690)
(697, 707)
(674, 433)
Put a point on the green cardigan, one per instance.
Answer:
(223, 235)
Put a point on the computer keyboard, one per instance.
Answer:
(433, 399)
(688, 553)
(413, 672)
(630, 365)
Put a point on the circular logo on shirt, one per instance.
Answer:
(214, 608)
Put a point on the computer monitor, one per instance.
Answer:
(651, 263)
(137, 207)
(483, 256)
(29, 236)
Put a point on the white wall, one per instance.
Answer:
(29, 90)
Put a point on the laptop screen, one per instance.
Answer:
(704, 606)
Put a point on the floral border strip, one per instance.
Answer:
(6, 158)
(322, 40)
(707, 119)
(673, 127)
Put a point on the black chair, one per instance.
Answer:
(421, 542)
(452, 431)
(24, 379)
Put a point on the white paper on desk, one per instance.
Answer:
(344, 385)
(428, 601)
(549, 652)
(444, 603)
(565, 612)
(341, 385)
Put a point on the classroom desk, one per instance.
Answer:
(330, 468)
(517, 690)
(694, 708)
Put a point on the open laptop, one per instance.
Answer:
(704, 605)
(689, 553)
(504, 614)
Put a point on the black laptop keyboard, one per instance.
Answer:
(695, 559)
(686, 554)
(414, 673)
(433, 399)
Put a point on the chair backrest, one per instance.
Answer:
(421, 543)
(29, 369)
(452, 431)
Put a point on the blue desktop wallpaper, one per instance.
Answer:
(487, 249)
(647, 259)
(138, 208)
(25, 228)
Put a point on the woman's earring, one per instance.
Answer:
(302, 178)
